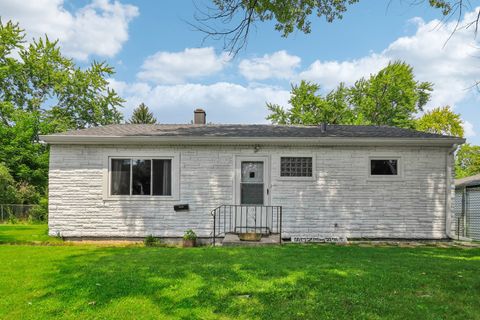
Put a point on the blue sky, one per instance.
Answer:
(160, 60)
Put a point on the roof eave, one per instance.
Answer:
(172, 140)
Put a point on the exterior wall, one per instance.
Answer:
(341, 199)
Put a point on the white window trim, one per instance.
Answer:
(175, 157)
(301, 155)
(397, 177)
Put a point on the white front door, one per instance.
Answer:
(252, 184)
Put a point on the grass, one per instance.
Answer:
(288, 282)
(26, 234)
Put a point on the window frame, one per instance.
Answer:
(175, 177)
(385, 177)
(296, 178)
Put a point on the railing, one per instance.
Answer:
(242, 218)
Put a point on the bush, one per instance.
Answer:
(190, 235)
(12, 219)
(151, 241)
(39, 213)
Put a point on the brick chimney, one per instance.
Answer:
(199, 116)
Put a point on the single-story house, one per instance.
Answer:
(324, 181)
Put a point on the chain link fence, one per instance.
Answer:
(466, 209)
(15, 211)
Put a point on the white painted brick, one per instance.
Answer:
(341, 193)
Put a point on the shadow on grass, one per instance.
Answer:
(290, 282)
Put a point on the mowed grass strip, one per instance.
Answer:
(26, 234)
(288, 282)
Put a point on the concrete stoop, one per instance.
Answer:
(232, 240)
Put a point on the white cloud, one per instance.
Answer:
(468, 129)
(224, 102)
(330, 73)
(99, 28)
(276, 65)
(453, 67)
(176, 67)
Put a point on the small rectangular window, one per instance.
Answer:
(296, 166)
(384, 167)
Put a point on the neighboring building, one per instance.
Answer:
(468, 182)
(467, 207)
(307, 181)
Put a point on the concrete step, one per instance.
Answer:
(232, 240)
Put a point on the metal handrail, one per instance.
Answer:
(238, 218)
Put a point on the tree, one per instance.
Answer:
(390, 97)
(42, 81)
(232, 20)
(7, 186)
(441, 121)
(289, 15)
(43, 92)
(310, 108)
(142, 114)
(467, 161)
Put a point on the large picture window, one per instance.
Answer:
(141, 177)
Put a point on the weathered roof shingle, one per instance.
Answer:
(250, 131)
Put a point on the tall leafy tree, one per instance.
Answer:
(42, 92)
(308, 107)
(390, 97)
(441, 121)
(467, 161)
(142, 115)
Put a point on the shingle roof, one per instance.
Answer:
(468, 181)
(249, 131)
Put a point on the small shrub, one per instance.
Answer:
(190, 235)
(38, 213)
(12, 219)
(151, 241)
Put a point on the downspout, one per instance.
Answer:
(448, 192)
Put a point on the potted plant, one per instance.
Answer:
(189, 238)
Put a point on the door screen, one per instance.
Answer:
(251, 184)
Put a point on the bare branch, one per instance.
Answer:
(234, 38)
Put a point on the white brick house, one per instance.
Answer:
(349, 181)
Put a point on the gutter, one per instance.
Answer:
(186, 140)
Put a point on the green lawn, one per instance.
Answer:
(289, 282)
(26, 234)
